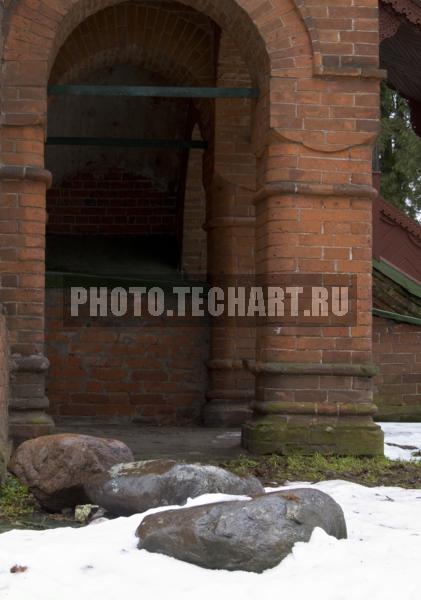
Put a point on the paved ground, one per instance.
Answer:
(187, 443)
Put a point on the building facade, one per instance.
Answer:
(279, 182)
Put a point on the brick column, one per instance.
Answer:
(230, 252)
(194, 243)
(230, 226)
(23, 183)
(4, 396)
(313, 384)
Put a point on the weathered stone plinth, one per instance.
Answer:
(286, 435)
(229, 399)
(28, 403)
(226, 413)
(288, 420)
(230, 396)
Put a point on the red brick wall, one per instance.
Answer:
(110, 201)
(397, 353)
(154, 375)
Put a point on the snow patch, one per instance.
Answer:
(378, 561)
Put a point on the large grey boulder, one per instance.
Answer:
(55, 467)
(134, 488)
(252, 535)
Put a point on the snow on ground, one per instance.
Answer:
(402, 440)
(379, 560)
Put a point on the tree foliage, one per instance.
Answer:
(400, 155)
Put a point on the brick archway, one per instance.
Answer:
(313, 130)
(93, 45)
(100, 37)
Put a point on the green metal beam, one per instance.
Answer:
(127, 143)
(386, 314)
(152, 91)
(398, 277)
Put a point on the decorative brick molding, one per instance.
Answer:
(343, 409)
(410, 8)
(289, 188)
(334, 369)
(13, 173)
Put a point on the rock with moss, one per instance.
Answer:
(137, 487)
(56, 467)
(250, 535)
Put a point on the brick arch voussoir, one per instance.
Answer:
(257, 27)
(101, 32)
(313, 32)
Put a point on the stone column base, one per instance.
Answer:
(30, 424)
(306, 435)
(28, 403)
(231, 394)
(226, 413)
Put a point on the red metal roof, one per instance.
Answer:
(396, 238)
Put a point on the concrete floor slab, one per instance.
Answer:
(181, 443)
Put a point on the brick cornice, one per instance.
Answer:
(410, 8)
(352, 71)
(26, 173)
(315, 408)
(327, 369)
(300, 136)
(290, 188)
(36, 363)
(23, 120)
(397, 217)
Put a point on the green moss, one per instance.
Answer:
(15, 499)
(375, 471)
(273, 434)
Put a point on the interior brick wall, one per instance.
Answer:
(110, 202)
(397, 353)
(153, 375)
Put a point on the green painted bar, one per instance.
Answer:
(386, 314)
(152, 91)
(127, 143)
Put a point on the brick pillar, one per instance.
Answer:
(230, 226)
(313, 384)
(4, 397)
(194, 246)
(23, 183)
(230, 251)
